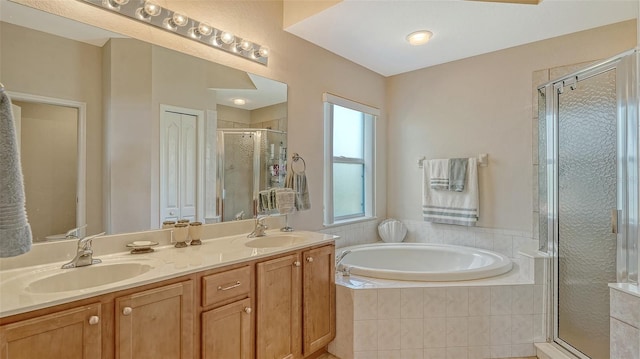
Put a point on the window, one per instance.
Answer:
(349, 160)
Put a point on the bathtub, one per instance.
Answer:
(421, 262)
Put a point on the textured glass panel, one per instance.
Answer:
(542, 170)
(348, 133)
(238, 175)
(586, 195)
(348, 189)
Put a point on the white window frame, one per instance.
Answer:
(371, 115)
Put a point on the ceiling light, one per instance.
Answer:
(419, 37)
(239, 101)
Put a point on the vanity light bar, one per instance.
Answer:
(153, 14)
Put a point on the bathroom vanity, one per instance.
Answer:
(233, 297)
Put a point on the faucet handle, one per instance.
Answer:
(85, 243)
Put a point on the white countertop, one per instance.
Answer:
(167, 262)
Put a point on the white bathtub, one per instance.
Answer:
(422, 262)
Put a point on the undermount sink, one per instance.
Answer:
(88, 277)
(269, 241)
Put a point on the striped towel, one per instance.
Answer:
(438, 174)
(461, 208)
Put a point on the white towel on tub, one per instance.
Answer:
(461, 208)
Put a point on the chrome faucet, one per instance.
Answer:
(345, 270)
(84, 256)
(259, 229)
(75, 232)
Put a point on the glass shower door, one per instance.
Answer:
(237, 173)
(587, 195)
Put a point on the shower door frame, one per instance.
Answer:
(626, 66)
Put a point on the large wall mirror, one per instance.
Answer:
(118, 135)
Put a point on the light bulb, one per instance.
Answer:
(179, 19)
(148, 10)
(419, 37)
(114, 4)
(246, 45)
(174, 21)
(239, 101)
(263, 52)
(204, 29)
(227, 37)
(152, 9)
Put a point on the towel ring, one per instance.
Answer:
(296, 157)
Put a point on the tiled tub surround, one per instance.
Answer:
(498, 317)
(625, 321)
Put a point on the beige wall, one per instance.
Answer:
(290, 61)
(231, 117)
(28, 67)
(273, 117)
(478, 105)
(49, 156)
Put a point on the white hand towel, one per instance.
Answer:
(15, 232)
(461, 208)
(285, 199)
(438, 174)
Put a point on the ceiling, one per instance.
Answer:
(372, 32)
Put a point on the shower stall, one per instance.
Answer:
(588, 196)
(249, 160)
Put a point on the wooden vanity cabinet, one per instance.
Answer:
(318, 299)
(71, 334)
(295, 304)
(226, 329)
(278, 325)
(156, 323)
(279, 307)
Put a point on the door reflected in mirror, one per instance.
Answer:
(48, 142)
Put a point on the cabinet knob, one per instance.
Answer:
(296, 264)
(127, 310)
(247, 310)
(309, 259)
(172, 213)
(94, 319)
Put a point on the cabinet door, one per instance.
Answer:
(156, 323)
(278, 308)
(226, 331)
(318, 298)
(70, 334)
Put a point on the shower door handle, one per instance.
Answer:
(614, 221)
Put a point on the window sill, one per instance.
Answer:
(350, 221)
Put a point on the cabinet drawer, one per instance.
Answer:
(222, 286)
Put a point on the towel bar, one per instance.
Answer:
(483, 160)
